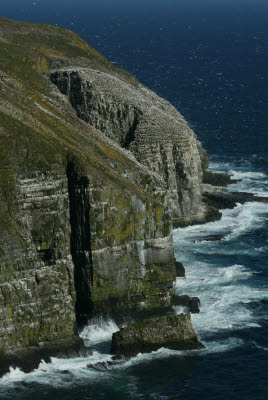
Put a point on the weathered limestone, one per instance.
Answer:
(82, 247)
(174, 332)
(86, 214)
(37, 295)
(131, 251)
(150, 127)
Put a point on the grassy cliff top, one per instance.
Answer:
(53, 45)
(39, 130)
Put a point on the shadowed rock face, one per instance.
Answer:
(191, 303)
(222, 199)
(174, 332)
(150, 127)
(180, 270)
(80, 240)
(218, 178)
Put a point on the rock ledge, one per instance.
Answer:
(174, 332)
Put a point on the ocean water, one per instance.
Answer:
(209, 58)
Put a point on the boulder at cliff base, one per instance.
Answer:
(173, 332)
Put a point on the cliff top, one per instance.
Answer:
(55, 46)
(34, 115)
(39, 130)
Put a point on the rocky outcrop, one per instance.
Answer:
(75, 247)
(191, 303)
(174, 332)
(218, 198)
(218, 178)
(150, 127)
(180, 270)
(84, 227)
(37, 294)
(89, 186)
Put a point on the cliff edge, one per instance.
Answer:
(94, 170)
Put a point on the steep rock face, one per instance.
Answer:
(37, 293)
(84, 227)
(150, 127)
(73, 245)
(121, 244)
(85, 224)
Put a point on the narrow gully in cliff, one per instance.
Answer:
(82, 97)
(130, 135)
(80, 241)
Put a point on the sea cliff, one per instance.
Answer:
(95, 170)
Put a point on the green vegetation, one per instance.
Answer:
(40, 135)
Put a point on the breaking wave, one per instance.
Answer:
(216, 272)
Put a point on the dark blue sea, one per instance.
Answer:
(209, 58)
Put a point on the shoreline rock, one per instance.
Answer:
(174, 332)
(28, 359)
(180, 270)
(223, 200)
(218, 178)
(192, 303)
(88, 194)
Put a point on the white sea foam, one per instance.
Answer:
(180, 309)
(63, 372)
(260, 347)
(234, 222)
(246, 217)
(60, 372)
(254, 182)
(98, 330)
(256, 191)
(15, 375)
(217, 166)
(262, 249)
(211, 347)
(67, 372)
(246, 174)
(224, 293)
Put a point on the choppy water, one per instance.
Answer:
(210, 60)
(230, 278)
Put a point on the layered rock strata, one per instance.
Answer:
(86, 208)
(75, 247)
(150, 127)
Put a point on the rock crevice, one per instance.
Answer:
(80, 240)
